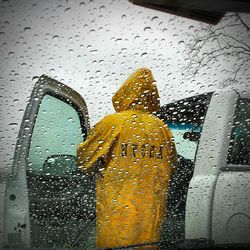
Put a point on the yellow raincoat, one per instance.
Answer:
(134, 153)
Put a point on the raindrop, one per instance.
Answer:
(26, 128)
(82, 3)
(35, 78)
(118, 40)
(13, 124)
(55, 37)
(154, 18)
(147, 28)
(143, 55)
(124, 16)
(181, 42)
(67, 9)
(93, 51)
(27, 29)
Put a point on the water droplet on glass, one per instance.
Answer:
(13, 124)
(26, 29)
(118, 40)
(154, 18)
(55, 37)
(67, 9)
(35, 78)
(93, 51)
(26, 128)
(147, 28)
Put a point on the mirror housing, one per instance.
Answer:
(60, 165)
(192, 136)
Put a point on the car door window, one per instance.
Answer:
(239, 148)
(57, 131)
(61, 197)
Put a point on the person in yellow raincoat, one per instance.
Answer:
(134, 153)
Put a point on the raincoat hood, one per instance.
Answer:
(138, 92)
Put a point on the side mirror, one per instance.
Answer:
(192, 136)
(60, 165)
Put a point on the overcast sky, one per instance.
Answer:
(92, 46)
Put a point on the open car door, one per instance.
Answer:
(48, 201)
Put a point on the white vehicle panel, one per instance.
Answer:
(231, 208)
(211, 155)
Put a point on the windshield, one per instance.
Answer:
(159, 88)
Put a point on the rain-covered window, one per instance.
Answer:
(93, 46)
(239, 149)
(61, 198)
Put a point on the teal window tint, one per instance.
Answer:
(239, 148)
(184, 147)
(57, 132)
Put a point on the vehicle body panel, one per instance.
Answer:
(211, 156)
(231, 208)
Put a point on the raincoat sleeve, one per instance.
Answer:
(94, 153)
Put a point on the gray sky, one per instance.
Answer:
(92, 46)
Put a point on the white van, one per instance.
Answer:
(46, 202)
